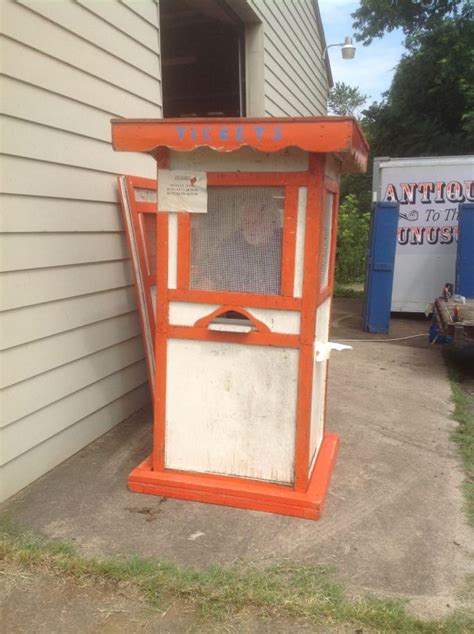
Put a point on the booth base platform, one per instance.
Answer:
(242, 493)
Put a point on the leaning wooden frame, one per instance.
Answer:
(138, 202)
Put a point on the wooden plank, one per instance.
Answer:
(27, 288)
(447, 309)
(40, 250)
(39, 33)
(127, 21)
(44, 320)
(313, 134)
(199, 421)
(78, 20)
(35, 68)
(23, 362)
(33, 464)
(29, 214)
(32, 430)
(35, 141)
(31, 395)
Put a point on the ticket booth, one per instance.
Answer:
(246, 221)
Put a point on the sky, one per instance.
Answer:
(372, 68)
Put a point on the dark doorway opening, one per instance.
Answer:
(202, 59)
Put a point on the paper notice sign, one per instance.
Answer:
(180, 190)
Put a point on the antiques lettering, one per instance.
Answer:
(427, 192)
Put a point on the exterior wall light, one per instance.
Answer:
(347, 48)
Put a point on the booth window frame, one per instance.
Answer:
(291, 181)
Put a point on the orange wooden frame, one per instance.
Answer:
(144, 279)
(240, 493)
(325, 135)
(306, 497)
(289, 181)
(318, 136)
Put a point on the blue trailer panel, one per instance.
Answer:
(465, 254)
(380, 266)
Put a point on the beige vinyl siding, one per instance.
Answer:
(24, 214)
(33, 322)
(52, 75)
(296, 82)
(21, 471)
(72, 365)
(39, 356)
(27, 288)
(29, 432)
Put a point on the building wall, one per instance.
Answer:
(295, 75)
(73, 362)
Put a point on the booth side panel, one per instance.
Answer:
(247, 427)
(300, 240)
(311, 274)
(319, 382)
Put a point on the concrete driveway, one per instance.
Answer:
(393, 523)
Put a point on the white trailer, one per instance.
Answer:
(429, 191)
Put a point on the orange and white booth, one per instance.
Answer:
(235, 303)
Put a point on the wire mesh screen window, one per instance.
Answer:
(237, 245)
(327, 232)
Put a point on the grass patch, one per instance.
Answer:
(343, 290)
(302, 594)
(461, 373)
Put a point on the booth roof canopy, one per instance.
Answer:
(328, 135)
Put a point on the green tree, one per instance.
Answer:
(352, 240)
(375, 17)
(429, 108)
(345, 100)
